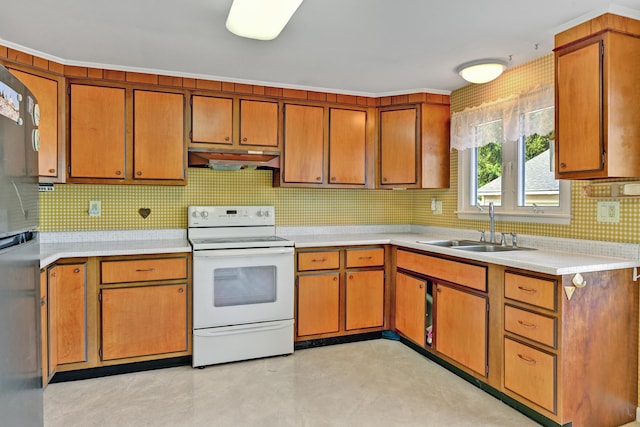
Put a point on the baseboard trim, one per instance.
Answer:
(321, 342)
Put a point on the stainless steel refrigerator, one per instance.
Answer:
(20, 360)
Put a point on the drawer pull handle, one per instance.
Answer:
(529, 290)
(318, 260)
(365, 257)
(76, 270)
(527, 360)
(335, 278)
(351, 277)
(139, 270)
(526, 324)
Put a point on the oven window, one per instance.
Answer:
(244, 285)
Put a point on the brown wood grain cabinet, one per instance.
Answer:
(144, 320)
(97, 140)
(234, 123)
(399, 150)
(461, 327)
(158, 135)
(303, 144)
(410, 303)
(596, 91)
(67, 296)
(340, 291)
(144, 305)
(48, 90)
(44, 327)
(347, 146)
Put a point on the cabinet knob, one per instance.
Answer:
(421, 286)
(333, 178)
(76, 270)
(52, 171)
(226, 138)
(385, 179)
(335, 279)
(563, 165)
(180, 290)
(43, 302)
(244, 139)
(118, 173)
(351, 277)
(139, 173)
(318, 178)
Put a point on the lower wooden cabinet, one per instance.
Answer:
(101, 311)
(144, 320)
(461, 322)
(410, 297)
(340, 291)
(318, 304)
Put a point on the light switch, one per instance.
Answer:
(609, 211)
(438, 208)
(95, 207)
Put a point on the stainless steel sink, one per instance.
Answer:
(472, 246)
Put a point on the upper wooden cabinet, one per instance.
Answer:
(48, 91)
(233, 123)
(103, 147)
(399, 147)
(303, 144)
(597, 127)
(158, 135)
(327, 146)
(97, 140)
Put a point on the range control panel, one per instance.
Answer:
(230, 216)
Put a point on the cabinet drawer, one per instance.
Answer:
(530, 373)
(142, 270)
(320, 260)
(365, 257)
(539, 292)
(530, 325)
(472, 276)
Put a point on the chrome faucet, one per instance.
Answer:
(492, 224)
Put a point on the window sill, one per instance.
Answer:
(528, 217)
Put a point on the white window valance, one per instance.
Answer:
(512, 115)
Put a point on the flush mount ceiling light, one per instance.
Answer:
(260, 19)
(481, 71)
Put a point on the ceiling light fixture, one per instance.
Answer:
(260, 19)
(481, 71)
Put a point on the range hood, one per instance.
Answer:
(233, 160)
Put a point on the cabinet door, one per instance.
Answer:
(303, 144)
(158, 135)
(410, 307)
(97, 148)
(365, 299)
(144, 320)
(44, 328)
(67, 315)
(461, 327)
(579, 111)
(212, 120)
(258, 123)
(318, 304)
(347, 146)
(398, 146)
(46, 92)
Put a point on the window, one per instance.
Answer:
(506, 158)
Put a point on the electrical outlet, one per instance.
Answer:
(609, 211)
(438, 208)
(95, 207)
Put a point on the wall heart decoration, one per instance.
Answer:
(144, 212)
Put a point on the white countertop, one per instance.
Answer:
(542, 260)
(555, 256)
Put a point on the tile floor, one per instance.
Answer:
(371, 383)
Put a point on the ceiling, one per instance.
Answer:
(362, 47)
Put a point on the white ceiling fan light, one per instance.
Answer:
(482, 70)
(260, 19)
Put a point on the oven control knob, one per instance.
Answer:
(267, 213)
(194, 214)
(259, 213)
(204, 214)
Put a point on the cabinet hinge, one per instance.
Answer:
(69, 90)
(100, 352)
(100, 296)
(191, 101)
(604, 154)
(69, 170)
(601, 49)
(486, 371)
(191, 135)
(487, 306)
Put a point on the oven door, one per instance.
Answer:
(239, 286)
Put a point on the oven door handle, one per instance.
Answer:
(242, 252)
(242, 329)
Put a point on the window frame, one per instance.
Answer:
(508, 210)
